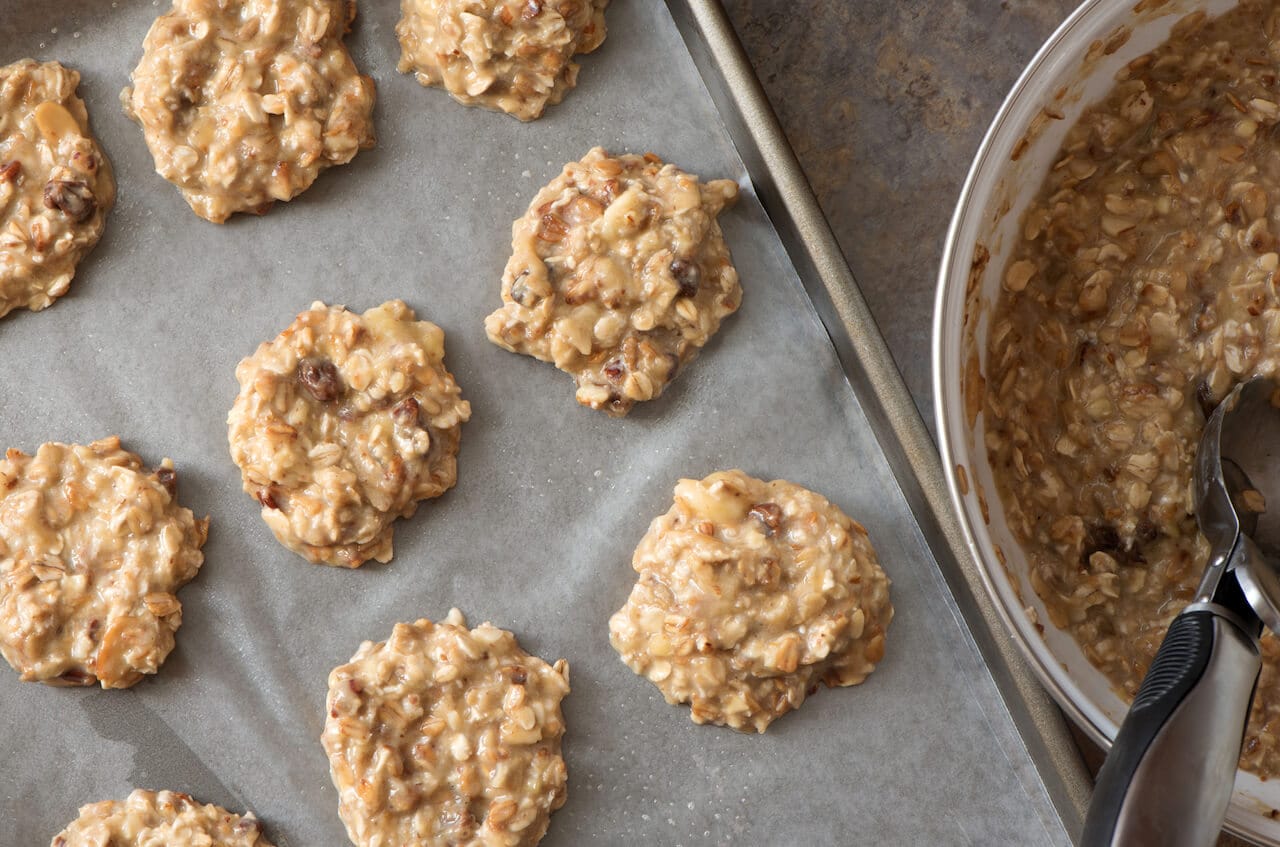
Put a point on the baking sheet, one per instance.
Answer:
(551, 497)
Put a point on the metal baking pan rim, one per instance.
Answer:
(898, 426)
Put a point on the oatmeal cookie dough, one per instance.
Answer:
(446, 737)
(513, 55)
(751, 592)
(245, 102)
(619, 275)
(344, 422)
(55, 184)
(93, 548)
(150, 818)
(1143, 288)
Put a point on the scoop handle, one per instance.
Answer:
(1168, 778)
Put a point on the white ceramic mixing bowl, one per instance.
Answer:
(1075, 67)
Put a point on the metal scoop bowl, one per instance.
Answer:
(1168, 778)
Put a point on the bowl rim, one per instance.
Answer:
(1068, 695)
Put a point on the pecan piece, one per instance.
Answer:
(10, 171)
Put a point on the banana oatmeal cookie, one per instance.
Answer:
(93, 548)
(750, 592)
(344, 422)
(1145, 286)
(619, 275)
(513, 55)
(55, 184)
(245, 102)
(150, 818)
(446, 737)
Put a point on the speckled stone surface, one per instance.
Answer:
(885, 103)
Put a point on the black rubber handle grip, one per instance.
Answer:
(1173, 760)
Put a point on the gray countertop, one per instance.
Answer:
(885, 102)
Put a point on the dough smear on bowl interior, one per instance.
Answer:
(55, 184)
(750, 593)
(151, 818)
(345, 422)
(444, 736)
(619, 275)
(1145, 285)
(245, 102)
(93, 549)
(512, 55)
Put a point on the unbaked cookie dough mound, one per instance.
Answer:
(446, 737)
(151, 818)
(750, 592)
(93, 549)
(513, 55)
(619, 275)
(55, 184)
(245, 102)
(345, 422)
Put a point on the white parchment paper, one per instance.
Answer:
(551, 498)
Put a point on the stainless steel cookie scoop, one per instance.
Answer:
(1168, 778)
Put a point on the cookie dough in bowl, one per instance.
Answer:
(93, 549)
(153, 818)
(345, 422)
(750, 593)
(619, 276)
(512, 55)
(245, 102)
(444, 736)
(56, 186)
